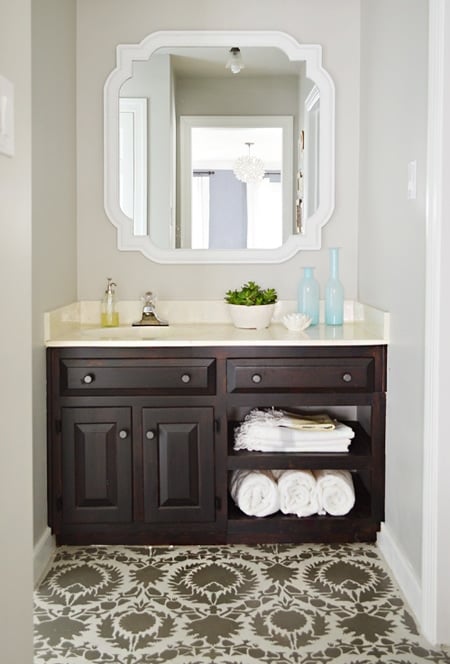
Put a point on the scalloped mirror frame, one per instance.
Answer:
(311, 54)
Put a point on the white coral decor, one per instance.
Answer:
(296, 322)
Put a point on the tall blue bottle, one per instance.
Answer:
(334, 292)
(309, 295)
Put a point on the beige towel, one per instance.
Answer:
(312, 422)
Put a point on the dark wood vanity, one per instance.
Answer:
(140, 445)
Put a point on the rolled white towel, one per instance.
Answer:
(298, 492)
(255, 492)
(335, 491)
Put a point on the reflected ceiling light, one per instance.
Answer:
(249, 168)
(234, 62)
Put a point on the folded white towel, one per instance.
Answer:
(298, 492)
(255, 492)
(335, 491)
(263, 438)
(287, 434)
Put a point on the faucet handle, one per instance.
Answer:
(149, 315)
(149, 298)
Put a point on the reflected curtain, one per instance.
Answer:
(200, 212)
(264, 223)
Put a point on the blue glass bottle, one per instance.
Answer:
(334, 292)
(309, 295)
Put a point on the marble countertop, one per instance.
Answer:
(76, 325)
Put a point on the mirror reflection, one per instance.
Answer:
(187, 115)
(235, 181)
(235, 194)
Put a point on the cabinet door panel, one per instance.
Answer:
(96, 465)
(178, 464)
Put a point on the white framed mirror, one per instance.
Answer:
(183, 77)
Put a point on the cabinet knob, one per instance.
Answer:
(123, 433)
(88, 379)
(186, 378)
(347, 377)
(150, 435)
(256, 378)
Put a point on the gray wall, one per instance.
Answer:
(16, 579)
(391, 257)
(54, 203)
(258, 95)
(104, 24)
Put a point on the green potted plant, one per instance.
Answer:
(251, 306)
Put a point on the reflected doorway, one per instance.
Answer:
(227, 212)
(221, 208)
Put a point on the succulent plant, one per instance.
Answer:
(251, 294)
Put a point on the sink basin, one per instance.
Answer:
(177, 334)
(127, 332)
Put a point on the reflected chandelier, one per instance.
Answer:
(249, 168)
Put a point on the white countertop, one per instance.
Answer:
(76, 325)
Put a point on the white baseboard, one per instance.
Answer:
(44, 551)
(402, 571)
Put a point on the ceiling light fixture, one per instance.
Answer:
(234, 62)
(249, 168)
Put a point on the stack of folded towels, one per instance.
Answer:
(299, 492)
(279, 431)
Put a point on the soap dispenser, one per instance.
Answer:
(109, 315)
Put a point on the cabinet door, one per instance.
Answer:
(96, 465)
(178, 464)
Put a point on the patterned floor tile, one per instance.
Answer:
(305, 604)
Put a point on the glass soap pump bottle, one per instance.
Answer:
(109, 314)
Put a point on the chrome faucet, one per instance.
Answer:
(149, 315)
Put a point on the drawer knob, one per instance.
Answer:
(256, 378)
(87, 379)
(123, 433)
(150, 435)
(347, 377)
(185, 378)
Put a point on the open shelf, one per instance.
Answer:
(358, 524)
(359, 455)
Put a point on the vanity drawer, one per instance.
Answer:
(301, 375)
(136, 376)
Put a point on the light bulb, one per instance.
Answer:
(234, 63)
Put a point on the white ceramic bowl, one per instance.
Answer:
(257, 317)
